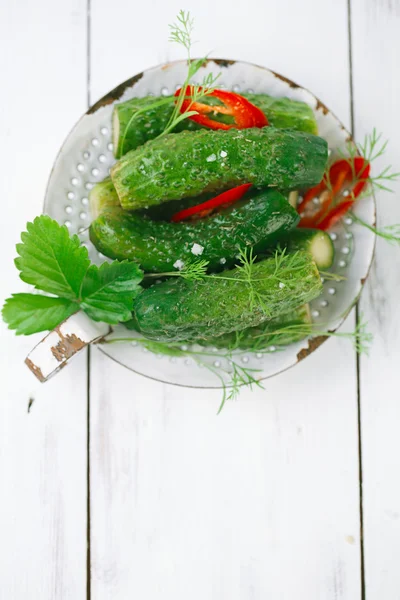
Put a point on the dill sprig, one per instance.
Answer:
(372, 148)
(390, 233)
(245, 267)
(234, 376)
(327, 276)
(285, 265)
(191, 270)
(180, 33)
(360, 338)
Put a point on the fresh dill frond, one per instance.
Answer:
(191, 270)
(181, 31)
(360, 337)
(332, 276)
(194, 270)
(240, 377)
(390, 233)
(372, 148)
(234, 376)
(245, 267)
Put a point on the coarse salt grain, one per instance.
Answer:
(179, 264)
(211, 158)
(197, 249)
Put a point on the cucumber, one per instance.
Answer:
(284, 112)
(180, 309)
(102, 196)
(130, 133)
(274, 331)
(257, 222)
(192, 162)
(315, 241)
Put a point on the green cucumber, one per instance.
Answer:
(258, 221)
(315, 241)
(102, 196)
(130, 131)
(180, 309)
(192, 162)
(284, 112)
(283, 330)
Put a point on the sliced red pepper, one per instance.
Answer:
(244, 113)
(206, 208)
(311, 217)
(335, 215)
(342, 174)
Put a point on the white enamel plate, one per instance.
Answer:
(86, 158)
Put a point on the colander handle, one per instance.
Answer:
(65, 341)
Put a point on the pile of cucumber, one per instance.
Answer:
(156, 177)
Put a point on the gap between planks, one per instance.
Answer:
(360, 457)
(88, 365)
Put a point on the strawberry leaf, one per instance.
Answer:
(108, 291)
(30, 313)
(51, 260)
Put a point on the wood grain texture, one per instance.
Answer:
(42, 454)
(262, 501)
(376, 51)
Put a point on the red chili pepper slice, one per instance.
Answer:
(244, 113)
(335, 215)
(205, 208)
(342, 174)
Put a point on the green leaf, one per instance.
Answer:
(50, 259)
(108, 291)
(30, 313)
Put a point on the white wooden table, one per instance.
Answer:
(117, 487)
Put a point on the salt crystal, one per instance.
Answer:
(211, 158)
(197, 249)
(179, 264)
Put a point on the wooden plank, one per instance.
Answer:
(262, 501)
(376, 47)
(42, 454)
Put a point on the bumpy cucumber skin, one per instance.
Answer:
(103, 196)
(261, 336)
(281, 113)
(178, 309)
(192, 162)
(302, 239)
(257, 222)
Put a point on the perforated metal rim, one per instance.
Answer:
(130, 88)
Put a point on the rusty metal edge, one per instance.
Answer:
(119, 90)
